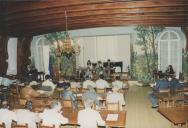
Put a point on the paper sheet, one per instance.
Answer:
(112, 117)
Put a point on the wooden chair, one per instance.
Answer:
(164, 91)
(100, 90)
(112, 106)
(40, 76)
(66, 104)
(45, 126)
(74, 89)
(15, 125)
(38, 105)
(2, 125)
(83, 90)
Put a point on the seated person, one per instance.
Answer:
(101, 83)
(99, 68)
(118, 83)
(87, 82)
(115, 96)
(68, 95)
(174, 84)
(6, 81)
(91, 94)
(161, 84)
(169, 71)
(26, 116)
(48, 82)
(89, 118)
(52, 116)
(7, 116)
(28, 92)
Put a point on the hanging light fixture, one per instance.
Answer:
(66, 47)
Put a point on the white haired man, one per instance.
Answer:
(83, 115)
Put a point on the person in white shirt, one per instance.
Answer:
(89, 118)
(6, 81)
(26, 116)
(7, 116)
(115, 96)
(52, 116)
(101, 83)
(88, 82)
(118, 83)
(49, 83)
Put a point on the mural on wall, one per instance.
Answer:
(185, 64)
(144, 63)
(60, 64)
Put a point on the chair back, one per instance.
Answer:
(2, 125)
(38, 105)
(164, 91)
(112, 106)
(74, 89)
(45, 126)
(100, 90)
(66, 103)
(83, 90)
(15, 125)
(40, 76)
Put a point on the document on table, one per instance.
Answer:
(112, 117)
(79, 94)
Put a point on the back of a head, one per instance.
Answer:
(115, 89)
(161, 75)
(5, 104)
(28, 105)
(117, 77)
(87, 77)
(88, 103)
(54, 105)
(66, 85)
(47, 77)
(101, 76)
(90, 88)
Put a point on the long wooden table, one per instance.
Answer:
(121, 121)
(177, 115)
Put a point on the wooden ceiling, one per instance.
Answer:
(45, 16)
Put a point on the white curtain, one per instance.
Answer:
(41, 55)
(115, 47)
(12, 56)
(46, 50)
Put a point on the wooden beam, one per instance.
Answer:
(100, 20)
(35, 17)
(60, 18)
(59, 27)
(14, 7)
(89, 10)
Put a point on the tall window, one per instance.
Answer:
(41, 55)
(170, 51)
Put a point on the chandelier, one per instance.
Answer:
(66, 47)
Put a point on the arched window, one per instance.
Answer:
(170, 51)
(41, 55)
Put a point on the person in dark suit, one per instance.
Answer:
(161, 84)
(174, 84)
(67, 94)
(109, 68)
